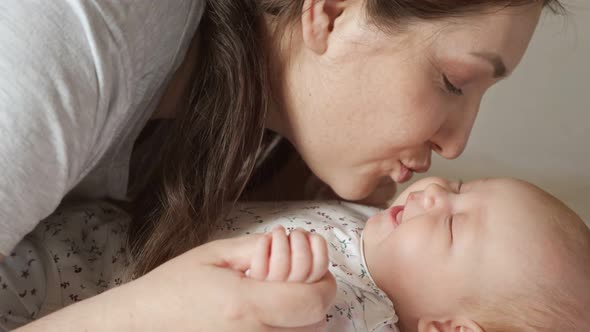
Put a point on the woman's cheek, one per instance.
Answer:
(428, 116)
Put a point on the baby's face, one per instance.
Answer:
(441, 241)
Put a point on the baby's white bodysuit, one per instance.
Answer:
(359, 304)
(80, 251)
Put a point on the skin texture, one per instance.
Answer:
(358, 103)
(448, 242)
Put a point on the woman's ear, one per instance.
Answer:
(448, 325)
(317, 21)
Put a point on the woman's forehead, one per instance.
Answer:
(506, 36)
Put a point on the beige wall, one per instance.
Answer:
(536, 124)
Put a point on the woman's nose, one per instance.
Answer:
(452, 137)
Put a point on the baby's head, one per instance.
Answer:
(496, 255)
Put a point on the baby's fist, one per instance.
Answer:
(298, 257)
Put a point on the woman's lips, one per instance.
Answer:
(396, 213)
(404, 174)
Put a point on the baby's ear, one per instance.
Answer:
(456, 324)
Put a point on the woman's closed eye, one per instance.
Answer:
(452, 89)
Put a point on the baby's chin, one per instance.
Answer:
(369, 228)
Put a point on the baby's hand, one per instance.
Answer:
(299, 257)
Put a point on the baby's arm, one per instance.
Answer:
(298, 257)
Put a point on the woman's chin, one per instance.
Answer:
(352, 193)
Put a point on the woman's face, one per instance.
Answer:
(374, 104)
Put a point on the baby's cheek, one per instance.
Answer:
(377, 228)
(404, 268)
(409, 252)
(406, 248)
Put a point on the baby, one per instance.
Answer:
(490, 255)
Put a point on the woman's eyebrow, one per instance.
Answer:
(495, 60)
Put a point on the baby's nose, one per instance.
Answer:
(434, 194)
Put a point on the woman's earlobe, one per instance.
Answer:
(317, 22)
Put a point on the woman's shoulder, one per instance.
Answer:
(88, 66)
(102, 57)
(99, 31)
(75, 76)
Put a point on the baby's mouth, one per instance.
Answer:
(396, 213)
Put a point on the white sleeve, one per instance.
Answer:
(75, 75)
(59, 79)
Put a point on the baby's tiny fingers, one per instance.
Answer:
(319, 251)
(260, 261)
(301, 258)
(280, 256)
